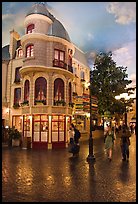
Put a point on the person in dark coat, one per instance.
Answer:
(76, 147)
(125, 142)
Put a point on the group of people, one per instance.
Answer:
(109, 137)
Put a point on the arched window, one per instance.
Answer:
(30, 51)
(20, 53)
(58, 90)
(40, 89)
(70, 98)
(26, 90)
(30, 28)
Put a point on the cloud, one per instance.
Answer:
(125, 12)
(126, 56)
(90, 37)
(7, 16)
(9, 22)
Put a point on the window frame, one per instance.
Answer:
(30, 28)
(29, 50)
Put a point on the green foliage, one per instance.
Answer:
(14, 133)
(108, 81)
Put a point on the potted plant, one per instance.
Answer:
(14, 137)
(60, 102)
(71, 104)
(16, 105)
(40, 102)
(25, 103)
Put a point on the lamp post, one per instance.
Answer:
(90, 157)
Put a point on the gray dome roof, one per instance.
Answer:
(40, 8)
(58, 30)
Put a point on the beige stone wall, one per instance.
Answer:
(41, 23)
(43, 52)
(4, 80)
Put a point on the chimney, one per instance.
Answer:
(14, 37)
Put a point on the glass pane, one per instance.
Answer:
(54, 126)
(44, 126)
(61, 117)
(61, 136)
(44, 117)
(56, 54)
(55, 117)
(62, 56)
(44, 136)
(61, 126)
(36, 126)
(37, 117)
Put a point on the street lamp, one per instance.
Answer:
(90, 157)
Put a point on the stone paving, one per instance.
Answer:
(55, 176)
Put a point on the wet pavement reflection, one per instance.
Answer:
(55, 176)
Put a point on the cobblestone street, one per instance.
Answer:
(54, 175)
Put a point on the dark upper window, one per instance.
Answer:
(17, 95)
(17, 74)
(30, 28)
(26, 90)
(40, 88)
(82, 75)
(30, 51)
(59, 58)
(70, 100)
(58, 89)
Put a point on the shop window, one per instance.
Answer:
(30, 51)
(40, 128)
(58, 128)
(26, 126)
(30, 28)
(26, 90)
(40, 90)
(17, 122)
(17, 75)
(58, 90)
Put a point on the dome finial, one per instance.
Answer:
(43, 3)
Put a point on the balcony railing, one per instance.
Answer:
(62, 64)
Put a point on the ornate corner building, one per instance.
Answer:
(41, 71)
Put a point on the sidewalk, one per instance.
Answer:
(54, 176)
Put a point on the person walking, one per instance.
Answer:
(76, 146)
(109, 142)
(125, 142)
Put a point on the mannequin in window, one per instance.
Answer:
(41, 95)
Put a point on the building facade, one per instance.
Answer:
(41, 72)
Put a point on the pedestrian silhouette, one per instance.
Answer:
(125, 142)
(109, 142)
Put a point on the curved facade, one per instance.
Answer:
(42, 80)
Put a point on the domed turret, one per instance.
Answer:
(40, 8)
(58, 30)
